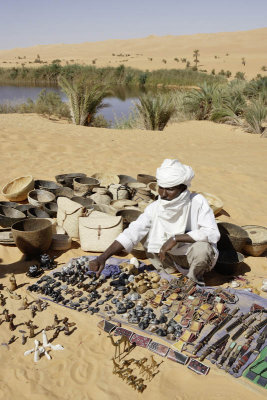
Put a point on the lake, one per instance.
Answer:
(119, 104)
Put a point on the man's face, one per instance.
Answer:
(171, 193)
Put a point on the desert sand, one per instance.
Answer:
(224, 50)
(227, 162)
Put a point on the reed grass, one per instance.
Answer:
(48, 74)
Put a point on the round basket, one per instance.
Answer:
(50, 186)
(23, 207)
(18, 189)
(51, 209)
(35, 212)
(67, 179)
(61, 242)
(9, 216)
(146, 178)
(64, 191)
(128, 216)
(124, 179)
(85, 202)
(106, 179)
(153, 186)
(84, 185)
(136, 185)
(227, 262)
(232, 237)
(39, 197)
(215, 202)
(11, 204)
(121, 204)
(105, 209)
(257, 243)
(32, 236)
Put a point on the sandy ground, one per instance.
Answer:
(227, 162)
(217, 51)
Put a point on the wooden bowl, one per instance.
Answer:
(84, 185)
(9, 216)
(128, 216)
(32, 236)
(39, 197)
(85, 202)
(18, 189)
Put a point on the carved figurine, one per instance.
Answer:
(25, 303)
(126, 345)
(7, 316)
(23, 337)
(56, 333)
(13, 283)
(31, 327)
(39, 305)
(2, 300)
(33, 310)
(56, 320)
(11, 324)
(12, 339)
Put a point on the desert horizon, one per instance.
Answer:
(224, 50)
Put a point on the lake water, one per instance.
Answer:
(119, 104)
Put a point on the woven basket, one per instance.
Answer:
(9, 216)
(39, 197)
(121, 204)
(146, 178)
(257, 240)
(215, 202)
(18, 189)
(232, 237)
(106, 179)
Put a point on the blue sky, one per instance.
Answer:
(26, 23)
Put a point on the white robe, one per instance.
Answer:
(200, 225)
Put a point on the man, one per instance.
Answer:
(178, 230)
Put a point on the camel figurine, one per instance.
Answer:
(154, 365)
(126, 345)
(117, 366)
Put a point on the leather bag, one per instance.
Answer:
(68, 214)
(99, 230)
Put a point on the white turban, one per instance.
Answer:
(173, 173)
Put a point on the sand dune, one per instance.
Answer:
(227, 162)
(223, 50)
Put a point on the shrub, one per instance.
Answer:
(164, 61)
(240, 75)
(264, 68)
(99, 121)
(155, 111)
(50, 103)
(143, 78)
(255, 115)
(56, 61)
(213, 71)
(176, 59)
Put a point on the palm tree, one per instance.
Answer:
(255, 115)
(155, 111)
(84, 100)
(195, 55)
(200, 101)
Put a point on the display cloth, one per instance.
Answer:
(244, 300)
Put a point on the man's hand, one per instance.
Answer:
(166, 247)
(97, 265)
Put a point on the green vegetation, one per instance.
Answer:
(155, 111)
(48, 74)
(85, 99)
